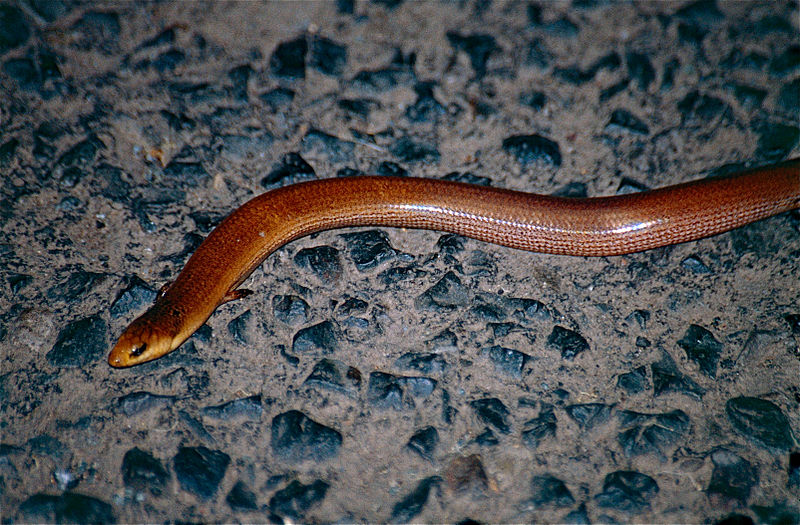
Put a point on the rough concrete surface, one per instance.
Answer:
(384, 374)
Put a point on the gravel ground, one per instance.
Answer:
(384, 374)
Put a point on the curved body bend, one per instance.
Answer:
(595, 226)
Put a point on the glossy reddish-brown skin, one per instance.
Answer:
(589, 227)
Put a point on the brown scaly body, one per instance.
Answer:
(590, 227)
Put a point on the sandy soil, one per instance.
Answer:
(394, 375)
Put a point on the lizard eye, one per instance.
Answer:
(138, 350)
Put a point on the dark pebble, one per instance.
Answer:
(360, 107)
(190, 174)
(337, 376)
(700, 107)
(116, 186)
(168, 60)
(409, 507)
(77, 286)
(388, 168)
(277, 99)
(531, 148)
(627, 491)
(352, 306)
(44, 137)
(549, 491)
(794, 322)
(578, 76)
(142, 471)
(760, 420)
(167, 36)
(426, 108)
(46, 445)
(667, 378)
(383, 79)
(14, 29)
(580, 516)
(296, 499)
(7, 151)
(776, 141)
(447, 294)
(735, 519)
(493, 412)
(533, 99)
(200, 470)
(327, 56)
(239, 77)
(589, 415)
(368, 249)
(289, 59)
(424, 442)
(787, 62)
(80, 343)
(732, 479)
(96, 30)
(562, 27)
(67, 508)
(52, 10)
(478, 47)
(424, 363)
(537, 54)
(345, 7)
(506, 360)
(387, 391)
(238, 327)
(778, 514)
(646, 433)
(297, 438)
(794, 470)
(622, 119)
(536, 429)
(81, 155)
(752, 60)
(703, 12)
(290, 168)
(24, 72)
(702, 348)
(789, 97)
(566, 341)
(399, 273)
(408, 150)
(195, 426)
(573, 190)
(469, 178)
(241, 498)
(290, 309)
(749, 96)
(695, 265)
(138, 402)
(614, 89)
(323, 261)
(320, 338)
(487, 313)
(196, 93)
(244, 407)
(321, 145)
(640, 69)
(487, 438)
(18, 281)
(530, 310)
(634, 381)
